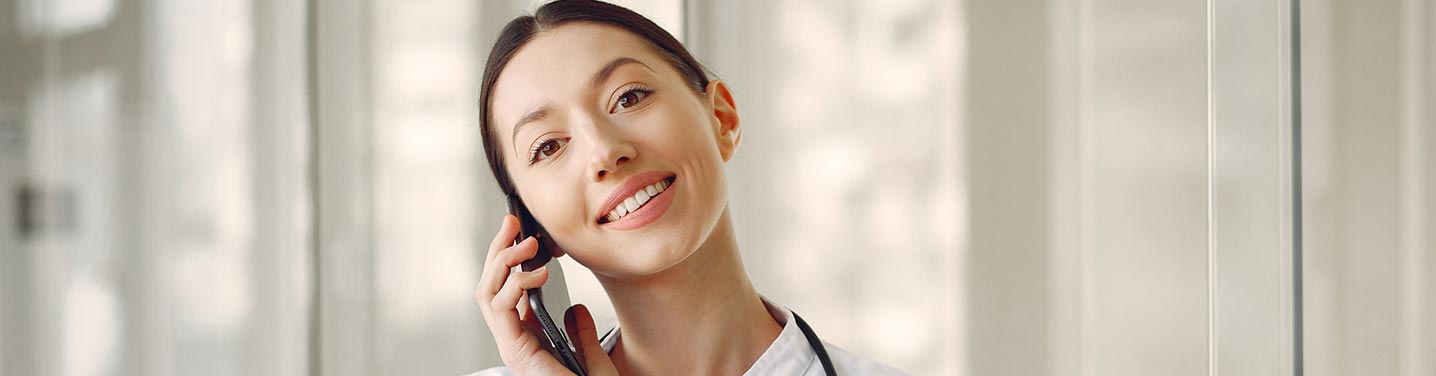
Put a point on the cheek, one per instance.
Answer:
(687, 138)
(553, 197)
(683, 132)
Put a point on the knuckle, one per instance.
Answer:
(497, 304)
(512, 252)
(517, 254)
(514, 278)
(504, 257)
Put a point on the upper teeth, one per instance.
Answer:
(638, 199)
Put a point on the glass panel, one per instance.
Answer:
(975, 187)
(1143, 165)
(1252, 188)
(1369, 186)
(846, 192)
(155, 188)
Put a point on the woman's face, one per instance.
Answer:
(588, 116)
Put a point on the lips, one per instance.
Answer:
(634, 198)
(638, 200)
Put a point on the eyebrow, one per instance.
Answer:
(598, 78)
(602, 74)
(533, 116)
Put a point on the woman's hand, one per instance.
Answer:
(517, 332)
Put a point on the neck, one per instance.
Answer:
(701, 316)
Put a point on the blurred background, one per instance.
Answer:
(962, 187)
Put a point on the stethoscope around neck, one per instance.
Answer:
(817, 345)
(813, 341)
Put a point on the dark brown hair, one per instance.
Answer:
(520, 30)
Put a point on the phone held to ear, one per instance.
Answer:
(530, 227)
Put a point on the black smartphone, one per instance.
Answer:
(530, 227)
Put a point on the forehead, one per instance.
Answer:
(558, 63)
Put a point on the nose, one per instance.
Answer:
(608, 151)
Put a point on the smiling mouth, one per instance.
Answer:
(637, 201)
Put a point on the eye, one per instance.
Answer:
(631, 98)
(546, 149)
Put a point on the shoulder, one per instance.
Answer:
(846, 363)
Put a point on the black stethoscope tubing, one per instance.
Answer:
(817, 346)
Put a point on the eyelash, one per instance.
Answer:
(534, 152)
(644, 90)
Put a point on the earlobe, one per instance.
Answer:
(725, 116)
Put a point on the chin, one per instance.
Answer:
(655, 249)
(638, 260)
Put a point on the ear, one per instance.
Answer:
(725, 116)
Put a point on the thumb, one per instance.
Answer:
(579, 323)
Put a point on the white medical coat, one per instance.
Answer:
(790, 353)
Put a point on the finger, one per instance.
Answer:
(502, 240)
(527, 320)
(497, 270)
(494, 275)
(570, 325)
(515, 287)
(508, 230)
(505, 303)
(525, 310)
(579, 323)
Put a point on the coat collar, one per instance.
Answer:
(789, 354)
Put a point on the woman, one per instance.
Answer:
(615, 138)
